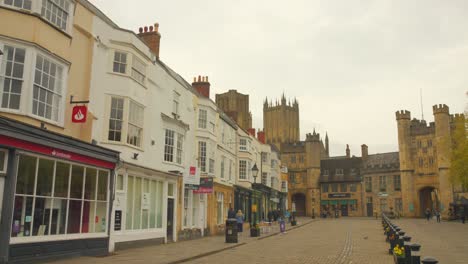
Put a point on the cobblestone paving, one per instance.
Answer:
(342, 241)
(329, 241)
(446, 241)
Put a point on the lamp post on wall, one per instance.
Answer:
(255, 172)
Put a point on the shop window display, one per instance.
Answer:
(56, 198)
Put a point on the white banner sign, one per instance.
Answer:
(192, 176)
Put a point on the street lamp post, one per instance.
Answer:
(254, 206)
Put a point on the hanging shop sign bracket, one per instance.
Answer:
(77, 102)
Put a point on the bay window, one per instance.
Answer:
(138, 70)
(57, 12)
(170, 146)
(32, 82)
(120, 62)
(202, 156)
(125, 123)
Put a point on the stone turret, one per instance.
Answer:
(403, 118)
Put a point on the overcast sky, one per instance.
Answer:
(350, 64)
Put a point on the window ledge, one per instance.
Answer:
(116, 143)
(173, 164)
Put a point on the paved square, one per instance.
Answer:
(327, 241)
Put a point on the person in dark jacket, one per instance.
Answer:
(231, 213)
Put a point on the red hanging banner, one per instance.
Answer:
(79, 114)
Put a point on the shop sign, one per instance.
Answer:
(8, 141)
(79, 114)
(339, 195)
(118, 220)
(191, 187)
(206, 185)
(383, 194)
(192, 175)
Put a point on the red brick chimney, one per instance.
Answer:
(251, 131)
(261, 136)
(151, 37)
(202, 85)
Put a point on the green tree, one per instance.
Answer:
(459, 159)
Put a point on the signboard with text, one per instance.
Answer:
(206, 185)
(192, 175)
(339, 195)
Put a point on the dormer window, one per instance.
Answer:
(339, 172)
(325, 172)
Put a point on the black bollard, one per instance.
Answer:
(415, 254)
(429, 260)
(407, 247)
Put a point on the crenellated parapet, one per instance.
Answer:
(403, 114)
(440, 109)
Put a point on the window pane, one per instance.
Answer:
(152, 210)
(22, 217)
(87, 223)
(26, 174)
(101, 221)
(41, 216)
(90, 184)
(2, 160)
(129, 213)
(45, 175)
(62, 172)
(76, 190)
(137, 204)
(59, 215)
(74, 217)
(102, 185)
(159, 203)
(170, 190)
(119, 182)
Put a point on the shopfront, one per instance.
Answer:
(56, 195)
(144, 207)
(243, 201)
(341, 204)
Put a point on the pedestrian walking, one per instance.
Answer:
(428, 214)
(240, 221)
(437, 213)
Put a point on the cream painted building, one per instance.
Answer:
(55, 185)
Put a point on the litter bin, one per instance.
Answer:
(231, 230)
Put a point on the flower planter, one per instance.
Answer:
(398, 260)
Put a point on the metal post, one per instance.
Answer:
(415, 255)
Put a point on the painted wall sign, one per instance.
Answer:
(339, 195)
(118, 220)
(63, 154)
(79, 114)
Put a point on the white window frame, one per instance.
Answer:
(243, 145)
(115, 118)
(211, 165)
(243, 175)
(29, 74)
(220, 208)
(37, 6)
(202, 156)
(138, 70)
(4, 75)
(223, 160)
(175, 104)
(137, 123)
(121, 63)
(66, 236)
(125, 121)
(5, 161)
(202, 118)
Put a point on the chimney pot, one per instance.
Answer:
(151, 28)
(146, 29)
(140, 30)
(156, 27)
(206, 78)
(151, 37)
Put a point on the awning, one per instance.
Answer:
(335, 202)
(343, 201)
(324, 202)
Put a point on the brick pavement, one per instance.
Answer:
(446, 241)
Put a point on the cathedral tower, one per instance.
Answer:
(281, 121)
